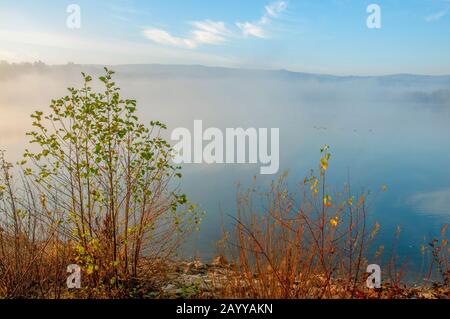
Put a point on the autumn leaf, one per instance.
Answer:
(334, 221)
(327, 200)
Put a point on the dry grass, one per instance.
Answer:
(33, 256)
(310, 245)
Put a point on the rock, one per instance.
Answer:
(169, 289)
(219, 261)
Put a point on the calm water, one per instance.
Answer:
(384, 130)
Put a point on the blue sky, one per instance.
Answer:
(327, 36)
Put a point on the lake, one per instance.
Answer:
(386, 130)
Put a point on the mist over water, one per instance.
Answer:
(390, 130)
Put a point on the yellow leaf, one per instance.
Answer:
(334, 221)
(90, 269)
(327, 200)
(324, 163)
(314, 185)
(350, 201)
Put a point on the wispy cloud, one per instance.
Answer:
(252, 29)
(203, 32)
(16, 48)
(209, 32)
(439, 14)
(257, 29)
(163, 37)
(123, 9)
(274, 9)
(436, 16)
(125, 13)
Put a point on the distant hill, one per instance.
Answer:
(200, 71)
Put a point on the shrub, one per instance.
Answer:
(105, 184)
(289, 246)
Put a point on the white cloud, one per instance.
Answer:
(436, 16)
(274, 9)
(209, 32)
(163, 37)
(440, 14)
(251, 29)
(203, 32)
(256, 29)
(57, 48)
(216, 27)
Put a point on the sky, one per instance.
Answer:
(327, 36)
